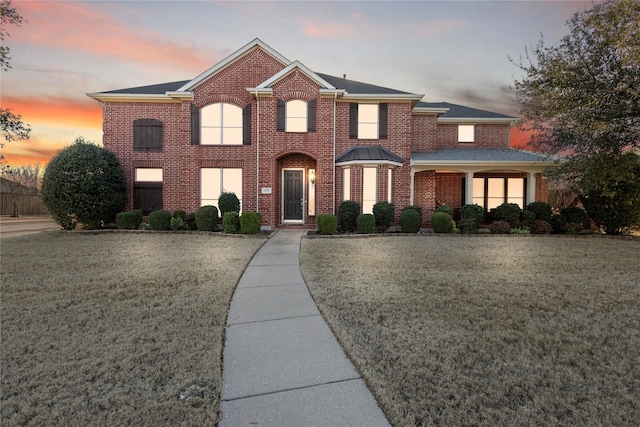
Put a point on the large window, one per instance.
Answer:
(221, 124)
(466, 133)
(147, 189)
(296, 111)
(215, 181)
(367, 121)
(492, 192)
(369, 188)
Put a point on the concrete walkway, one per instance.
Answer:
(282, 364)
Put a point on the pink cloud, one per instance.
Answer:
(77, 26)
(331, 31)
(433, 29)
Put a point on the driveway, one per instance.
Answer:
(10, 227)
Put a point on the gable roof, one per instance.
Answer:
(354, 87)
(157, 89)
(454, 113)
(367, 154)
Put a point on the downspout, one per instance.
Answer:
(333, 206)
(257, 152)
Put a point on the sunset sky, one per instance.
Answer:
(450, 51)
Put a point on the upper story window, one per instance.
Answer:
(466, 133)
(147, 135)
(367, 121)
(221, 124)
(296, 115)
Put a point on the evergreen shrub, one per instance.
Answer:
(348, 212)
(558, 224)
(499, 227)
(509, 212)
(541, 227)
(410, 220)
(366, 223)
(128, 220)
(160, 220)
(327, 223)
(231, 222)
(250, 222)
(383, 213)
(446, 209)
(190, 221)
(206, 218)
(179, 214)
(574, 214)
(441, 222)
(542, 210)
(228, 202)
(471, 217)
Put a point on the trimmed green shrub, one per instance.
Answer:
(528, 218)
(348, 212)
(139, 214)
(231, 222)
(499, 227)
(542, 210)
(179, 214)
(366, 223)
(250, 222)
(177, 224)
(558, 224)
(128, 220)
(383, 213)
(190, 221)
(441, 222)
(410, 220)
(574, 214)
(541, 227)
(160, 220)
(84, 185)
(327, 223)
(446, 209)
(206, 218)
(228, 202)
(471, 217)
(416, 208)
(509, 212)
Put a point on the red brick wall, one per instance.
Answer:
(425, 134)
(449, 189)
(487, 136)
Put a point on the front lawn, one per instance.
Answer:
(487, 330)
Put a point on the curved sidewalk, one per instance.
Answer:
(282, 364)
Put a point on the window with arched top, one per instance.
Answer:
(221, 124)
(296, 111)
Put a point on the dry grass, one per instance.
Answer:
(455, 330)
(110, 329)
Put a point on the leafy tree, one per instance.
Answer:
(11, 124)
(20, 181)
(84, 184)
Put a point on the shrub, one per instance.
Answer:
(327, 223)
(573, 228)
(528, 218)
(416, 208)
(179, 214)
(177, 224)
(139, 214)
(519, 230)
(348, 212)
(190, 221)
(446, 209)
(206, 218)
(541, 227)
(410, 220)
(366, 223)
(84, 184)
(574, 214)
(128, 220)
(558, 224)
(250, 222)
(499, 227)
(441, 222)
(471, 217)
(383, 213)
(509, 212)
(160, 220)
(228, 202)
(231, 222)
(542, 210)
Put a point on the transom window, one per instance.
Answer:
(221, 124)
(296, 112)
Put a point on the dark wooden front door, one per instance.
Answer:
(293, 201)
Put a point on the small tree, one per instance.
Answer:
(84, 184)
(19, 182)
(228, 202)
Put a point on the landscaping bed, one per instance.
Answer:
(451, 330)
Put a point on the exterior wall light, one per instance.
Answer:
(312, 176)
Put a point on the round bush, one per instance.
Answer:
(231, 222)
(207, 218)
(84, 184)
(542, 210)
(250, 222)
(471, 217)
(228, 202)
(410, 221)
(128, 220)
(541, 227)
(446, 209)
(327, 223)
(441, 222)
(574, 214)
(499, 227)
(383, 213)
(415, 208)
(366, 223)
(179, 214)
(160, 220)
(348, 212)
(509, 212)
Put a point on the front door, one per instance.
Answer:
(293, 194)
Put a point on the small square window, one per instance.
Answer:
(466, 133)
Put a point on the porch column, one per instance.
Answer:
(531, 187)
(468, 188)
(411, 186)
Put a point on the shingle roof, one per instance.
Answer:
(462, 112)
(352, 86)
(480, 155)
(158, 89)
(368, 152)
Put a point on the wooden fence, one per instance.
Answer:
(29, 205)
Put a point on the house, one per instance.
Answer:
(292, 143)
